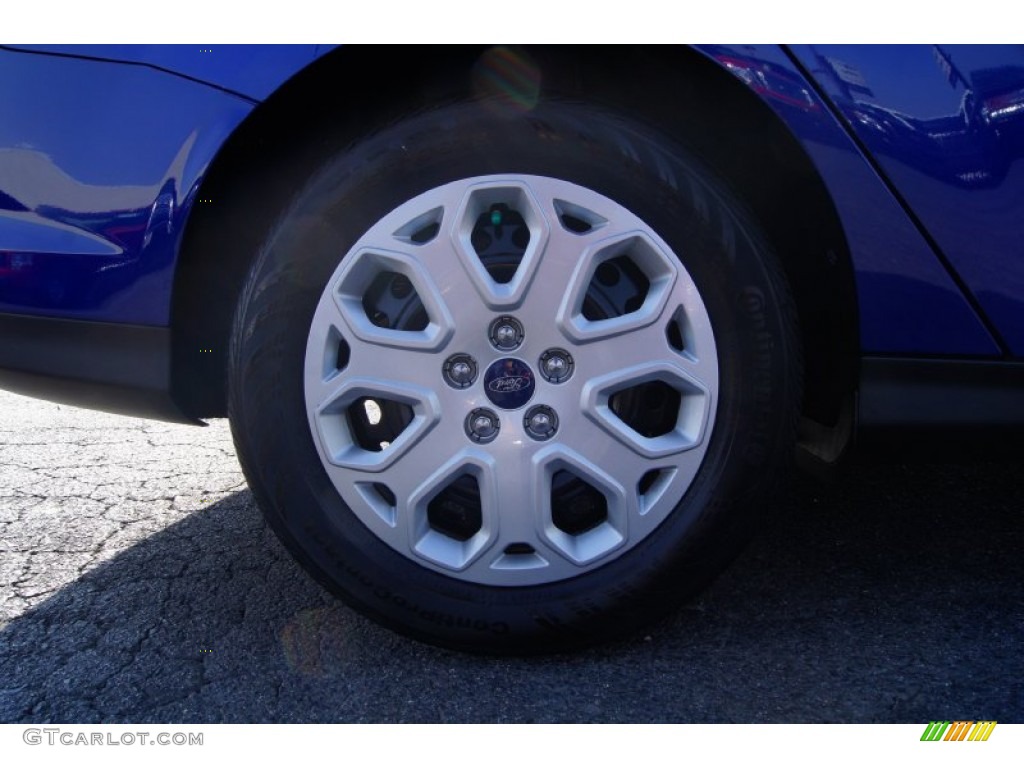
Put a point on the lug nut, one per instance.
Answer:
(482, 425)
(556, 365)
(541, 422)
(506, 333)
(460, 371)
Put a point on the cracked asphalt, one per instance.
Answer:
(138, 583)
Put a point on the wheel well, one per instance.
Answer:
(336, 100)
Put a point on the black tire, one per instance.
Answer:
(723, 250)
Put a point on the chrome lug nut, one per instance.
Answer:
(482, 425)
(506, 333)
(541, 422)
(556, 365)
(460, 371)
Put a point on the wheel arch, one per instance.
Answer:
(267, 158)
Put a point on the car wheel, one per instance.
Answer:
(514, 381)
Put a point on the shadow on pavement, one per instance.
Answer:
(894, 595)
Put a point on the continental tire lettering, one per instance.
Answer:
(753, 303)
(385, 594)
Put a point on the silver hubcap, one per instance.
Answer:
(511, 380)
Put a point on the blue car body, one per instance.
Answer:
(105, 164)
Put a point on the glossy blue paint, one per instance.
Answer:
(946, 124)
(908, 301)
(99, 167)
(99, 171)
(255, 71)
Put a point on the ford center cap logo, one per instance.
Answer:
(509, 383)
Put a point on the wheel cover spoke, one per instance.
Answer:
(617, 434)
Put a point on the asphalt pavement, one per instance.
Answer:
(138, 583)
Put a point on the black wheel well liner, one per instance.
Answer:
(347, 92)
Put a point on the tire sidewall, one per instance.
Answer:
(632, 164)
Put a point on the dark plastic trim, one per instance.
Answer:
(907, 393)
(111, 367)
